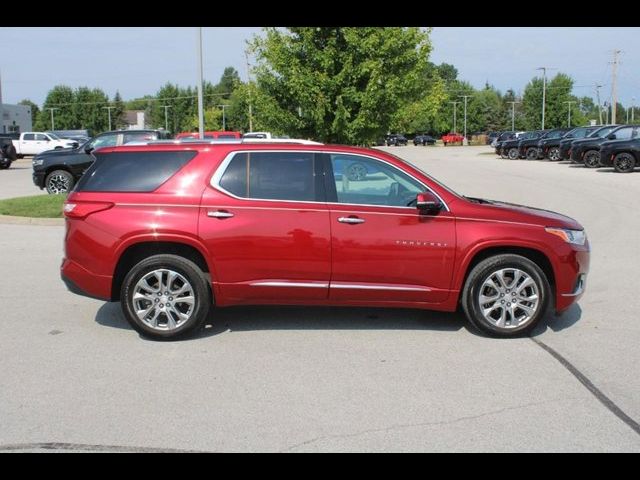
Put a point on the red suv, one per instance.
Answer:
(170, 230)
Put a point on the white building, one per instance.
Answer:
(15, 118)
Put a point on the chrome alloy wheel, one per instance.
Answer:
(163, 299)
(554, 154)
(509, 298)
(58, 184)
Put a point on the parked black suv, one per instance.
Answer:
(623, 155)
(577, 133)
(59, 170)
(549, 143)
(424, 139)
(587, 150)
(395, 139)
(503, 137)
(528, 148)
(7, 152)
(509, 148)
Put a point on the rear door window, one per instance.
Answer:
(132, 171)
(292, 176)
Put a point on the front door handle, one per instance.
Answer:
(351, 220)
(222, 214)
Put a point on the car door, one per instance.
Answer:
(266, 224)
(383, 249)
(29, 145)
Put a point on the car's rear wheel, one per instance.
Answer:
(59, 181)
(166, 297)
(513, 153)
(532, 153)
(592, 159)
(624, 162)
(554, 154)
(506, 295)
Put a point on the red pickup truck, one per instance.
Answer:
(452, 138)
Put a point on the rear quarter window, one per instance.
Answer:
(132, 171)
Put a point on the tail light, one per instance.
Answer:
(84, 209)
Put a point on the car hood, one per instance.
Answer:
(512, 212)
(60, 151)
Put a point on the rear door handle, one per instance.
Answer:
(351, 220)
(222, 214)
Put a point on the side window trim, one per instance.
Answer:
(320, 193)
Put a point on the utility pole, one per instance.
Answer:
(200, 99)
(614, 95)
(598, 87)
(606, 112)
(246, 56)
(454, 116)
(224, 123)
(633, 107)
(465, 117)
(569, 102)
(166, 118)
(513, 115)
(1, 109)
(544, 89)
(52, 123)
(109, 109)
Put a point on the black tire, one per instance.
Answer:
(19, 156)
(5, 163)
(591, 159)
(191, 272)
(624, 162)
(513, 153)
(532, 153)
(59, 181)
(554, 154)
(10, 152)
(481, 272)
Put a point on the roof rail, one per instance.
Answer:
(225, 141)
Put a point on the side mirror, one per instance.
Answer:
(88, 149)
(428, 202)
(47, 139)
(612, 136)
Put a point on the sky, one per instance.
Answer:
(137, 61)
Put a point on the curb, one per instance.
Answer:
(49, 222)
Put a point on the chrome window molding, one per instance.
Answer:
(217, 176)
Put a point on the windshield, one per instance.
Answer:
(53, 136)
(603, 132)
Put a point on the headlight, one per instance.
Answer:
(577, 237)
(37, 162)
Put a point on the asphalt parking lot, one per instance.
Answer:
(16, 181)
(75, 376)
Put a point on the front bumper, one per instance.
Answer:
(571, 277)
(38, 179)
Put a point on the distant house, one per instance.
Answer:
(135, 119)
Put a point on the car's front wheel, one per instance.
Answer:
(59, 181)
(624, 162)
(554, 154)
(532, 153)
(505, 295)
(592, 159)
(165, 297)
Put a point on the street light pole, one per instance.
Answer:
(569, 102)
(246, 56)
(544, 89)
(513, 115)
(52, 123)
(109, 110)
(633, 107)
(166, 119)
(465, 115)
(224, 123)
(200, 99)
(598, 87)
(455, 129)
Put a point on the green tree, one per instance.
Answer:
(183, 106)
(60, 97)
(228, 82)
(117, 114)
(89, 110)
(337, 84)
(558, 92)
(35, 110)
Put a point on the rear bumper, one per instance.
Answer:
(81, 281)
